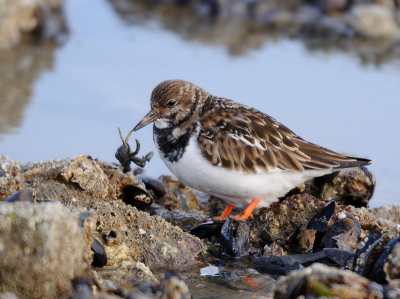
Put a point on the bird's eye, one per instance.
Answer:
(171, 103)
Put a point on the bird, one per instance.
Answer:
(232, 151)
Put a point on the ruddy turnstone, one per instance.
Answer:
(230, 150)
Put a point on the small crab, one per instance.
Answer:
(125, 156)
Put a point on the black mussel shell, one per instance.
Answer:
(82, 288)
(320, 220)
(339, 256)
(137, 197)
(207, 230)
(344, 226)
(377, 273)
(156, 185)
(100, 256)
(24, 194)
(364, 250)
(233, 241)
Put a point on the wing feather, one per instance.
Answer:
(243, 139)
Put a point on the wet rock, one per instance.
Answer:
(320, 280)
(173, 286)
(126, 277)
(234, 239)
(38, 18)
(47, 240)
(283, 220)
(273, 250)
(374, 21)
(24, 194)
(354, 186)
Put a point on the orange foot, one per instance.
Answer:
(225, 213)
(247, 213)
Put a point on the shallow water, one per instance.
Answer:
(70, 100)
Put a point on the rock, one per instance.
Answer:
(281, 220)
(273, 250)
(354, 186)
(319, 280)
(185, 220)
(41, 18)
(125, 233)
(374, 21)
(391, 213)
(173, 287)
(392, 267)
(42, 249)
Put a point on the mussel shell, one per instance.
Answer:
(207, 230)
(136, 196)
(100, 255)
(24, 194)
(364, 250)
(234, 246)
(377, 273)
(82, 288)
(320, 220)
(344, 226)
(156, 185)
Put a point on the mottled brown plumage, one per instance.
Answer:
(240, 138)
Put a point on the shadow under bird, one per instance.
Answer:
(230, 150)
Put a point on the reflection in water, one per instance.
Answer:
(244, 27)
(19, 70)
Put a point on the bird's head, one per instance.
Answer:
(172, 101)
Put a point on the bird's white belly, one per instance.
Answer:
(234, 187)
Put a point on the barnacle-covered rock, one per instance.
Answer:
(42, 248)
(85, 172)
(354, 186)
(282, 220)
(391, 213)
(392, 266)
(322, 281)
(125, 233)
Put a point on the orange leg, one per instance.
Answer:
(247, 212)
(226, 212)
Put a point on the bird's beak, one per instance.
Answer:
(149, 118)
